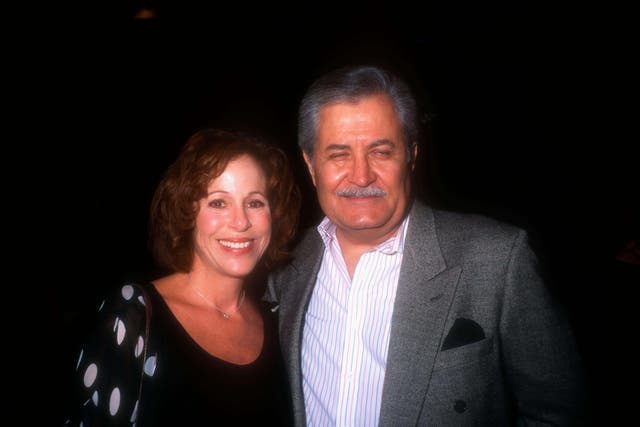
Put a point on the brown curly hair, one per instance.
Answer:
(204, 157)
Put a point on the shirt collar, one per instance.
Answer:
(392, 245)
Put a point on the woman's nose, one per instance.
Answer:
(240, 220)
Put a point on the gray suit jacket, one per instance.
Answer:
(476, 339)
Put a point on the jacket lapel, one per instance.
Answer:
(299, 278)
(425, 290)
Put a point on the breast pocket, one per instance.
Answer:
(465, 355)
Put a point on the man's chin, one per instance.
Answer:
(363, 224)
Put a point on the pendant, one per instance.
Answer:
(225, 315)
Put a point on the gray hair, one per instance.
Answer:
(351, 84)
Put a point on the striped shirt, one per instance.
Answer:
(346, 332)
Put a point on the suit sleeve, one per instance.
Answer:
(542, 364)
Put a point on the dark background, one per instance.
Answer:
(518, 117)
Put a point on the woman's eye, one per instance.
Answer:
(217, 204)
(256, 204)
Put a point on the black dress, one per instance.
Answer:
(182, 384)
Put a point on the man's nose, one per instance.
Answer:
(362, 173)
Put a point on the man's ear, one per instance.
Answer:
(309, 163)
(414, 155)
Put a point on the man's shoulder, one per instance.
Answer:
(463, 231)
(473, 224)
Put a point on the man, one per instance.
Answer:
(393, 313)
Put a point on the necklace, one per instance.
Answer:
(225, 314)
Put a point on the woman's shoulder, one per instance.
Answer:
(126, 298)
(122, 310)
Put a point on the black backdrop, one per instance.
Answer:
(517, 126)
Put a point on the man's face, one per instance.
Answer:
(361, 169)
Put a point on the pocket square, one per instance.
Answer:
(463, 332)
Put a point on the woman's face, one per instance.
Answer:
(233, 226)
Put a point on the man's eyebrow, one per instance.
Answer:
(337, 147)
(373, 144)
(380, 142)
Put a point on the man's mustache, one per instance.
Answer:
(362, 192)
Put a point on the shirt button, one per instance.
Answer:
(460, 406)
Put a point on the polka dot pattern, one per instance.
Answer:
(79, 359)
(127, 292)
(114, 401)
(134, 415)
(150, 366)
(121, 331)
(139, 346)
(90, 375)
(109, 364)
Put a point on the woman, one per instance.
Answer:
(226, 206)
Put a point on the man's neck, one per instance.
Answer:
(354, 243)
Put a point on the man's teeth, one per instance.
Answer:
(235, 245)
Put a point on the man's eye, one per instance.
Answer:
(382, 153)
(217, 204)
(337, 155)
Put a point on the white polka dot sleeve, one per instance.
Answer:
(111, 362)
